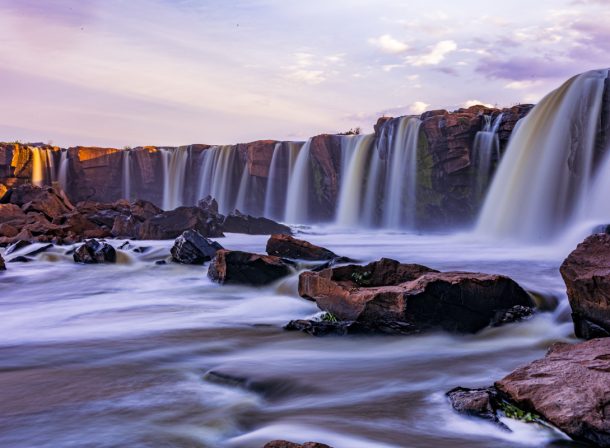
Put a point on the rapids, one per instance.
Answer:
(138, 354)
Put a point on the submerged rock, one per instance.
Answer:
(193, 248)
(286, 246)
(232, 266)
(286, 444)
(17, 245)
(388, 291)
(569, 387)
(342, 328)
(237, 222)
(94, 251)
(586, 273)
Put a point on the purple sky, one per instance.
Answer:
(169, 72)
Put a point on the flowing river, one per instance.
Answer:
(144, 355)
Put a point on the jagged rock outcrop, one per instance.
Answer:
(170, 224)
(586, 272)
(233, 266)
(193, 248)
(388, 291)
(95, 252)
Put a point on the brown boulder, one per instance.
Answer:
(232, 266)
(586, 272)
(569, 388)
(7, 230)
(389, 291)
(286, 246)
(46, 200)
(94, 252)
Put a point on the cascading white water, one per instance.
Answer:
(38, 167)
(350, 205)
(401, 175)
(374, 189)
(297, 198)
(62, 176)
(174, 167)
(486, 146)
(544, 178)
(50, 164)
(126, 174)
(218, 176)
(272, 191)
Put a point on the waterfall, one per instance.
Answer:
(127, 174)
(544, 178)
(174, 167)
(38, 167)
(220, 169)
(50, 164)
(275, 183)
(297, 198)
(374, 189)
(358, 151)
(62, 175)
(401, 174)
(486, 147)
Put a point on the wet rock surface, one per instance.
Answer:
(237, 222)
(287, 246)
(342, 328)
(170, 224)
(193, 248)
(569, 388)
(2, 265)
(586, 272)
(94, 252)
(286, 444)
(482, 403)
(232, 266)
(389, 291)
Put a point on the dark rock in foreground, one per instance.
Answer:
(286, 444)
(570, 388)
(288, 247)
(586, 272)
(193, 248)
(237, 222)
(94, 251)
(388, 291)
(2, 265)
(482, 403)
(342, 328)
(232, 266)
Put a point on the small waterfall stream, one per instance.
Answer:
(485, 150)
(297, 198)
(220, 175)
(62, 176)
(174, 166)
(126, 162)
(38, 166)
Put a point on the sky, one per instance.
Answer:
(172, 72)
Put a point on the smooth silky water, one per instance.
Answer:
(122, 355)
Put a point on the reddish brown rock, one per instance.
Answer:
(7, 230)
(586, 272)
(287, 246)
(569, 388)
(10, 213)
(389, 291)
(232, 266)
(258, 156)
(46, 200)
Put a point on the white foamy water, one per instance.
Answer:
(134, 354)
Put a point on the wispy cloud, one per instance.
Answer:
(387, 44)
(435, 54)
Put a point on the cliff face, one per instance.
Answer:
(445, 161)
